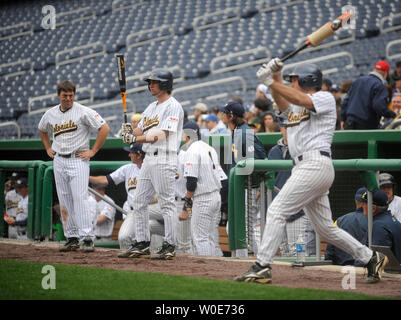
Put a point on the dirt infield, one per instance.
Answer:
(195, 266)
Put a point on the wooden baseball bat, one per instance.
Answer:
(121, 81)
(321, 34)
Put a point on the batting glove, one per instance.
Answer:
(265, 75)
(126, 128)
(275, 65)
(128, 138)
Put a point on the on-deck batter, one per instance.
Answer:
(71, 124)
(160, 130)
(311, 119)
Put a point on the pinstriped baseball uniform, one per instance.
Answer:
(22, 215)
(395, 207)
(104, 229)
(12, 201)
(159, 167)
(309, 135)
(183, 228)
(71, 133)
(201, 161)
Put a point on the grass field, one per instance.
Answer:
(23, 281)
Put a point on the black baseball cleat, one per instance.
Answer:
(375, 267)
(256, 273)
(72, 244)
(87, 245)
(137, 250)
(166, 252)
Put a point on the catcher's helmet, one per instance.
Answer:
(309, 76)
(164, 76)
(386, 178)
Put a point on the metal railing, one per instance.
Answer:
(388, 46)
(265, 5)
(389, 18)
(15, 63)
(204, 24)
(69, 13)
(83, 57)
(12, 123)
(139, 34)
(251, 62)
(17, 34)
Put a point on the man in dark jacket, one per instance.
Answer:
(245, 145)
(356, 224)
(367, 101)
(386, 228)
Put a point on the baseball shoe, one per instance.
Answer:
(256, 273)
(87, 245)
(72, 244)
(137, 250)
(166, 252)
(375, 267)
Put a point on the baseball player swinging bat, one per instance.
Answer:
(321, 34)
(121, 81)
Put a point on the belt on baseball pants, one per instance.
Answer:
(179, 199)
(323, 153)
(68, 155)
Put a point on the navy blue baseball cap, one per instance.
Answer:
(135, 147)
(359, 193)
(379, 198)
(21, 182)
(191, 125)
(234, 108)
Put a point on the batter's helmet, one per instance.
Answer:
(309, 76)
(386, 178)
(164, 76)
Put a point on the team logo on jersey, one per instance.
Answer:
(132, 184)
(64, 128)
(12, 204)
(149, 123)
(296, 119)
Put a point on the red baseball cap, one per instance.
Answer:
(382, 65)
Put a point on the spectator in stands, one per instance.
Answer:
(345, 86)
(269, 123)
(386, 228)
(263, 92)
(245, 145)
(326, 84)
(103, 222)
(387, 184)
(135, 118)
(260, 106)
(356, 224)
(237, 99)
(199, 110)
(216, 112)
(212, 125)
(367, 100)
(397, 86)
(391, 123)
(396, 75)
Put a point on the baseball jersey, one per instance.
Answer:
(312, 130)
(92, 207)
(201, 161)
(12, 200)
(22, 210)
(71, 128)
(395, 207)
(128, 173)
(168, 116)
(180, 182)
(103, 208)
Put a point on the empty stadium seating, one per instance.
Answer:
(210, 44)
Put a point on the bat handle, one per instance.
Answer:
(125, 117)
(293, 53)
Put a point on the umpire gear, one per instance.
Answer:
(309, 76)
(164, 76)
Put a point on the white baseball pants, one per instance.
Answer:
(307, 188)
(157, 176)
(205, 224)
(182, 231)
(72, 179)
